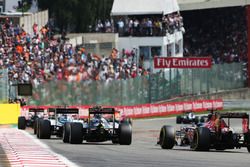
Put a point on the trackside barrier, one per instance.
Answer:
(151, 110)
(9, 113)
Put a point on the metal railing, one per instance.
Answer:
(4, 86)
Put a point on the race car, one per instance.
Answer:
(215, 133)
(98, 128)
(187, 118)
(34, 113)
(53, 123)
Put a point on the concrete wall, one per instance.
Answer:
(97, 43)
(40, 18)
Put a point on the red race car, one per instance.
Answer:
(214, 133)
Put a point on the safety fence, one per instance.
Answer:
(4, 86)
(163, 85)
(148, 110)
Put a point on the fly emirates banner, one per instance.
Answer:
(182, 62)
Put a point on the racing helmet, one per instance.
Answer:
(209, 116)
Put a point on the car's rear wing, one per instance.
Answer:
(234, 115)
(35, 110)
(95, 110)
(64, 110)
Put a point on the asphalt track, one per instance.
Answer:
(144, 152)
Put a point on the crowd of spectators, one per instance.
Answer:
(39, 57)
(152, 25)
(220, 33)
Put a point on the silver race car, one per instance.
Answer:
(98, 128)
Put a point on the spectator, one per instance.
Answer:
(39, 59)
(205, 35)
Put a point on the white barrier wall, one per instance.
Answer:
(40, 18)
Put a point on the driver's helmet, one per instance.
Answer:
(209, 116)
(190, 115)
(97, 116)
(63, 118)
(96, 119)
(30, 115)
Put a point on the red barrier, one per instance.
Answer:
(150, 110)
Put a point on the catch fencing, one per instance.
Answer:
(4, 86)
(163, 85)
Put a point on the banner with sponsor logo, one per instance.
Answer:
(149, 110)
(182, 62)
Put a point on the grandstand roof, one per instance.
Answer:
(206, 4)
(142, 7)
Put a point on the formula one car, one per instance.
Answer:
(187, 118)
(98, 128)
(34, 113)
(53, 125)
(213, 134)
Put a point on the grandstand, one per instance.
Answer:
(78, 76)
(149, 27)
(225, 20)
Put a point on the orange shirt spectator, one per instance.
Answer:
(19, 49)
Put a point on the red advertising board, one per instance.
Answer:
(149, 110)
(182, 62)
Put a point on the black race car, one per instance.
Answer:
(34, 113)
(98, 128)
(53, 124)
(215, 133)
(188, 117)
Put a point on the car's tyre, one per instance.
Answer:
(248, 149)
(167, 137)
(38, 127)
(125, 135)
(66, 130)
(201, 139)
(247, 140)
(44, 128)
(75, 133)
(127, 120)
(178, 119)
(21, 123)
(35, 125)
(130, 121)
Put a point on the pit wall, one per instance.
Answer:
(9, 113)
(149, 110)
